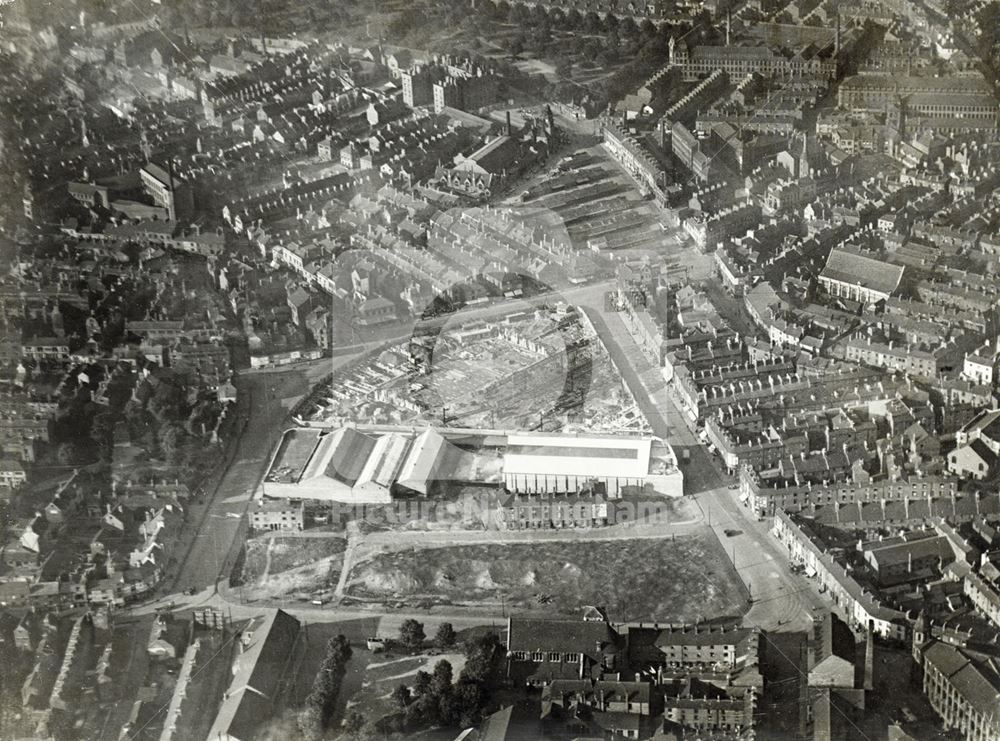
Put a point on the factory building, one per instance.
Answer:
(370, 464)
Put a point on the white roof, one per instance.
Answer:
(418, 467)
(621, 457)
(385, 460)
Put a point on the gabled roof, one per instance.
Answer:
(976, 682)
(863, 271)
(418, 468)
(563, 636)
(979, 449)
(257, 673)
(341, 456)
(588, 690)
(496, 727)
(299, 297)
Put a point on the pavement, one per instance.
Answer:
(782, 600)
(264, 401)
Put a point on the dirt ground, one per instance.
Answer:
(296, 567)
(684, 579)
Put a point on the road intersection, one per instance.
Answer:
(781, 600)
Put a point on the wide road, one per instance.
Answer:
(208, 548)
(264, 401)
(782, 600)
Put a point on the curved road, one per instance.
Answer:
(782, 600)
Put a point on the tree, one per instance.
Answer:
(541, 36)
(68, 454)
(573, 19)
(538, 14)
(421, 683)
(470, 698)
(339, 648)
(401, 696)
(102, 427)
(319, 705)
(441, 677)
(354, 723)
(445, 636)
(449, 710)
(592, 22)
(171, 440)
(481, 656)
(411, 633)
(628, 28)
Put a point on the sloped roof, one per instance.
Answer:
(495, 728)
(162, 175)
(418, 468)
(703, 637)
(257, 673)
(973, 681)
(563, 636)
(350, 451)
(859, 270)
(385, 460)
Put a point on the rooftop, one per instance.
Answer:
(563, 636)
(860, 270)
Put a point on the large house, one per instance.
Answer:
(485, 170)
(977, 446)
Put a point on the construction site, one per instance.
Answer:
(541, 368)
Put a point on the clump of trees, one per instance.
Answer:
(437, 698)
(445, 636)
(315, 717)
(411, 634)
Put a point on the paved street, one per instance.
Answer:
(782, 600)
(264, 401)
(265, 397)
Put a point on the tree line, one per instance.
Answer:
(314, 719)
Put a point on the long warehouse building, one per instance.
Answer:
(372, 464)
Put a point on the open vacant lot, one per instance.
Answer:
(282, 566)
(667, 580)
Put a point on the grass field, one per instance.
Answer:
(667, 580)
